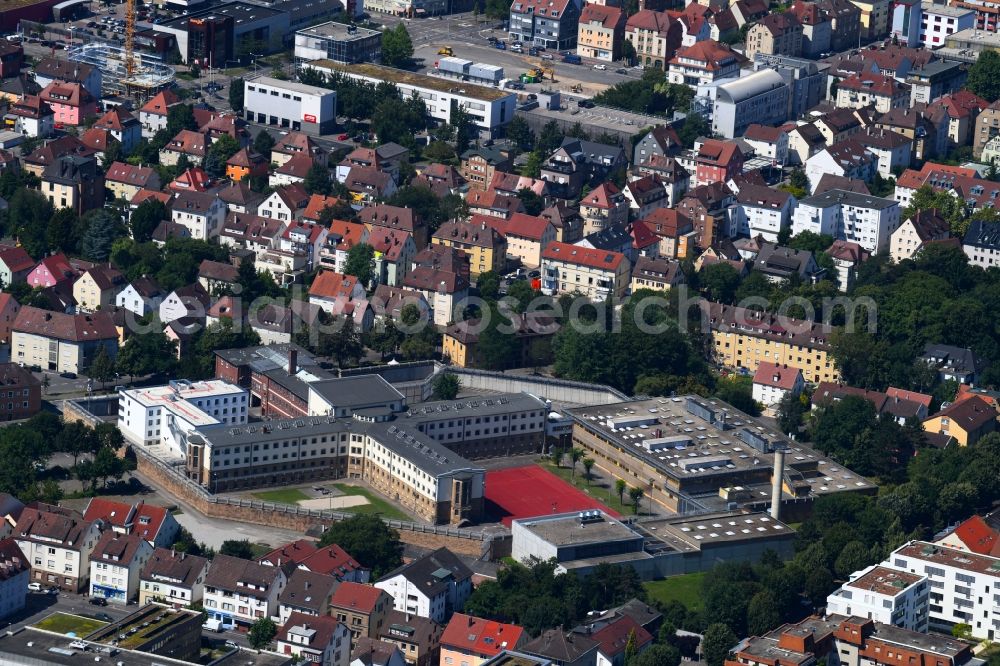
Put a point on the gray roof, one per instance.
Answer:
(838, 197)
(358, 391)
(266, 357)
(479, 406)
(610, 238)
(982, 234)
(434, 572)
(308, 590)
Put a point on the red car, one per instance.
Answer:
(342, 137)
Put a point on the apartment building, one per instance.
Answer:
(887, 596)
(601, 32)
(962, 585)
(15, 574)
(319, 640)
(486, 247)
(604, 207)
(201, 213)
(872, 89)
(704, 63)
(763, 212)
(306, 593)
(866, 220)
(655, 36)
(472, 640)
(548, 23)
(742, 338)
(75, 182)
(773, 382)
(433, 586)
(981, 244)
(596, 274)
(57, 543)
(775, 34)
(173, 578)
(915, 232)
(362, 608)
(61, 342)
(239, 592)
(116, 564)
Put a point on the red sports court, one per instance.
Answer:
(525, 492)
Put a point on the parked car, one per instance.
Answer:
(547, 56)
(99, 601)
(34, 587)
(232, 644)
(68, 375)
(103, 617)
(601, 67)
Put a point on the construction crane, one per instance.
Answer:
(129, 41)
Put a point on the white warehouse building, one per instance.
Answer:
(290, 105)
(490, 108)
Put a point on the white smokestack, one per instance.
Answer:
(779, 473)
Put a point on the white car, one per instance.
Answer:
(600, 67)
(35, 587)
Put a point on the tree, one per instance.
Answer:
(588, 464)
(369, 540)
(263, 143)
(446, 386)
(533, 203)
(550, 138)
(694, 127)
(145, 218)
(628, 52)
(262, 632)
(854, 557)
(657, 655)
(236, 95)
(62, 232)
(439, 151)
(963, 630)
(763, 613)
(240, 548)
(520, 133)
(620, 487)
(716, 644)
(719, 282)
(575, 454)
(102, 368)
(488, 284)
(397, 47)
(497, 348)
(180, 117)
(533, 164)
(359, 263)
(103, 227)
(984, 76)
(317, 180)
(28, 213)
(636, 495)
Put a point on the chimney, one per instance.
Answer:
(779, 472)
(293, 360)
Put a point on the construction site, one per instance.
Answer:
(125, 73)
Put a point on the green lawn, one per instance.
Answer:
(64, 623)
(685, 589)
(375, 503)
(282, 496)
(599, 492)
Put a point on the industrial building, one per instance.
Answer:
(465, 70)
(290, 105)
(228, 32)
(757, 98)
(580, 541)
(489, 108)
(344, 44)
(693, 454)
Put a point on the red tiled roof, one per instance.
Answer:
(317, 202)
(614, 636)
(606, 15)
(114, 513)
(711, 53)
(293, 552)
(778, 376)
(584, 256)
(115, 119)
(331, 285)
(474, 635)
(161, 103)
(526, 226)
(601, 196)
(716, 152)
(356, 596)
(16, 259)
(331, 560)
(120, 172)
(877, 84)
(978, 537)
(912, 396)
(763, 133)
(148, 520)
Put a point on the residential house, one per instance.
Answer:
(847, 159)
(769, 142)
(371, 652)
(51, 270)
(967, 421)
(115, 566)
(58, 543)
(617, 639)
(277, 324)
(551, 24)
(332, 560)
(318, 203)
(98, 287)
(772, 383)
(891, 149)
(369, 185)
(306, 593)
(390, 301)
(603, 207)
(804, 141)
(153, 523)
(915, 232)
(674, 178)
(817, 28)
(32, 116)
(480, 163)
(320, 640)
(184, 304)
(394, 252)
(981, 244)
(874, 18)
(441, 275)
(202, 214)
(646, 194)
(847, 257)
(601, 32)
(868, 89)
(866, 220)
(578, 162)
(341, 238)
(15, 574)
(123, 126)
(491, 202)
(294, 170)
(173, 578)
(660, 141)
(472, 640)
(50, 70)
(239, 198)
(125, 180)
(71, 103)
(707, 208)
(845, 26)
(596, 274)
(460, 342)
(566, 220)
(286, 203)
(442, 179)
(963, 108)
(486, 247)
(778, 263)
(953, 363)
(362, 608)
(656, 274)
(565, 649)
(192, 179)
(432, 586)
(928, 139)
(838, 125)
(248, 164)
(748, 11)
(763, 211)
(704, 63)
(141, 296)
(188, 143)
(215, 276)
(61, 342)
(717, 162)
(239, 592)
(330, 289)
(24, 392)
(675, 233)
(294, 143)
(74, 182)
(775, 34)
(416, 637)
(153, 114)
(395, 217)
(527, 236)
(655, 36)
(15, 265)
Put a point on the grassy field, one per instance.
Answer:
(598, 491)
(283, 495)
(685, 589)
(64, 623)
(375, 503)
